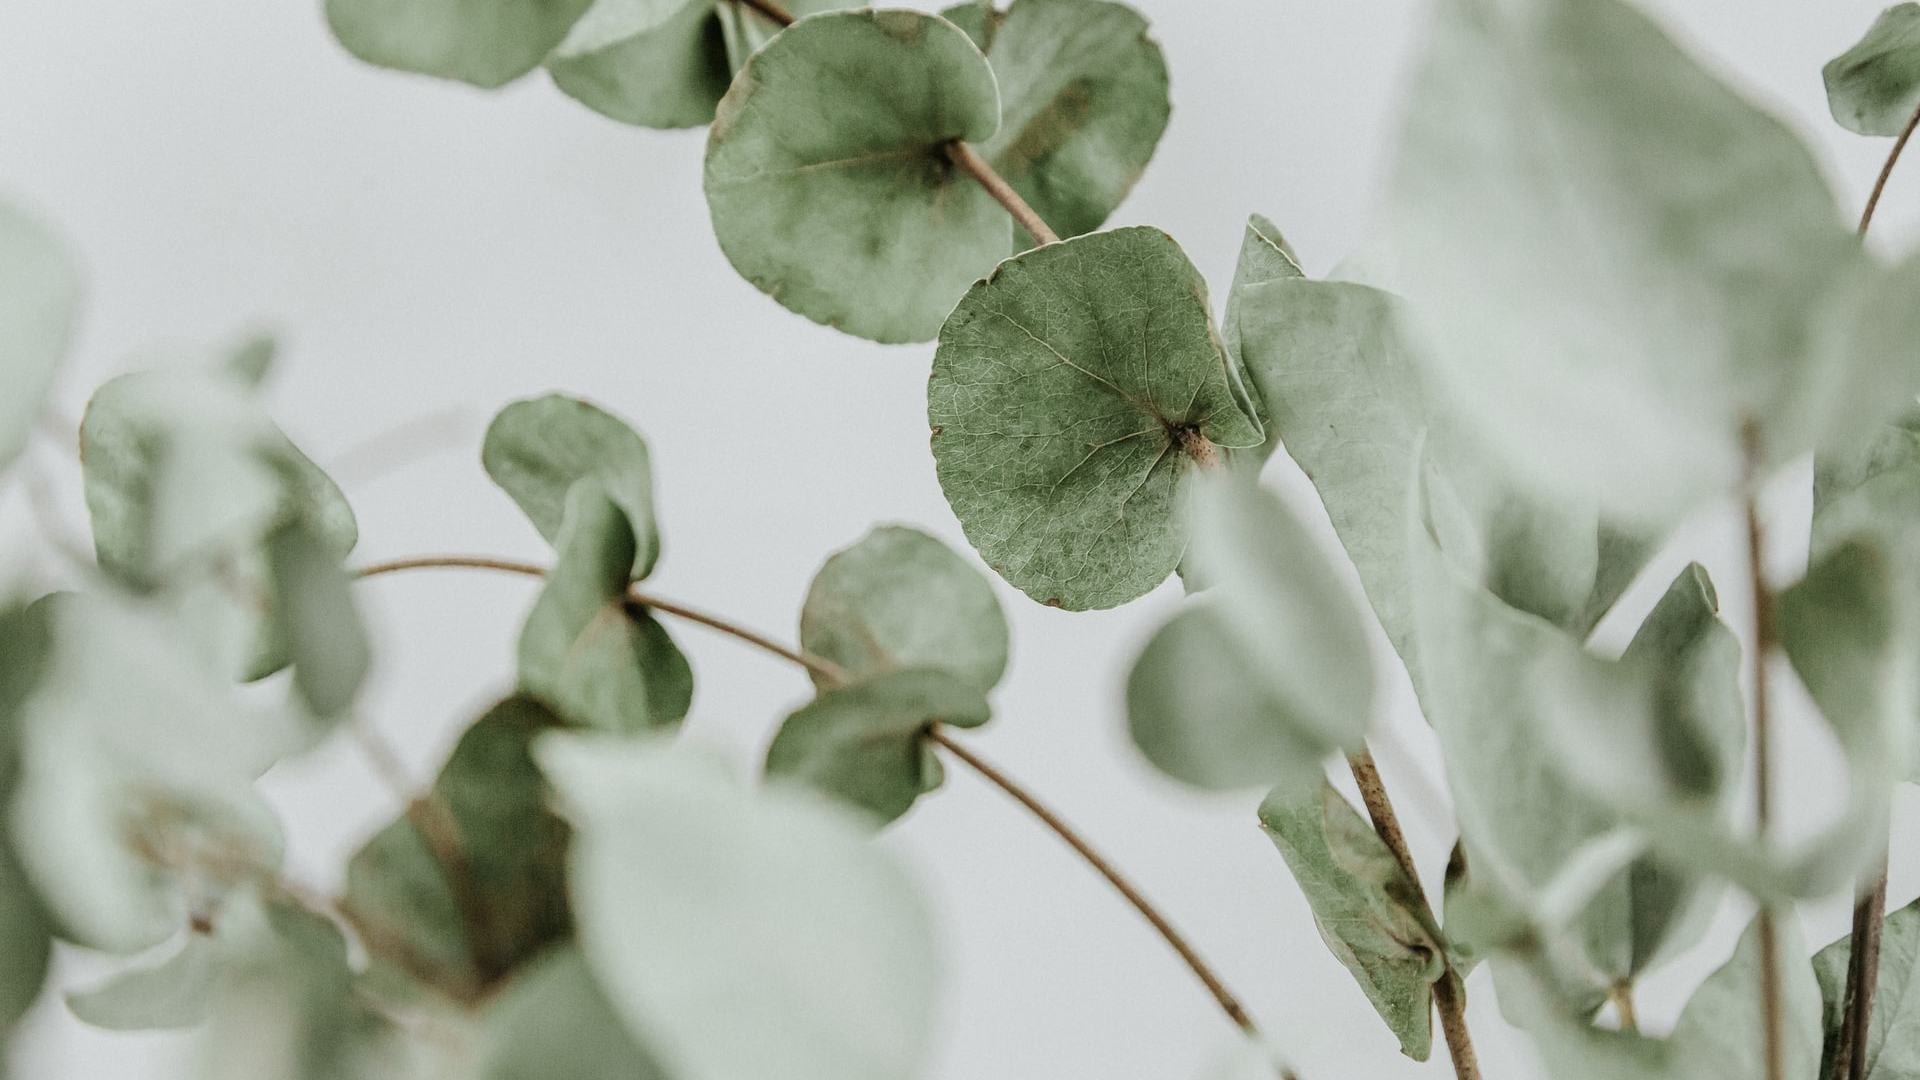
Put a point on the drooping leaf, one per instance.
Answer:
(537, 449)
(828, 178)
(737, 933)
(1874, 87)
(1083, 97)
(1892, 1053)
(316, 617)
(865, 744)
(586, 650)
(1291, 676)
(174, 993)
(554, 1023)
(488, 812)
(1264, 256)
(902, 599)
(1072, 394)
(1618, 263)
(488, 43)
(1369, 912)
(39, 294)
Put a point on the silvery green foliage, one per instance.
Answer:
(1891, 1051)
(1874, 87)
(39, 292)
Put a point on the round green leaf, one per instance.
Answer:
(538, 448)
(487, 43)
(553, 1023)
(39, 293)
(902, 599)
(659, 64)
(1083, 92)
(865, 744)
(741, 934)
(1072, 394)
(1874, 87)
(828, 178)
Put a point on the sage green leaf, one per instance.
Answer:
(315, 614)
(1892, 1053)
(553, 1023)
(866, 745)
(1343, 389)
(655, 63)
(252, 359)
(1370, 914)
(39, 295)
(1290, 654)
(828, 178)
(745, 28)
(26, 944)
(1264, 256)
(135, 805)
(598, 659)
(537, 449)
(1874, 87)
(510, 903)
(488, 43)
(175, 993)
(1083, 95)
(980, 19)
(1072, 394)
(741, 934)
(26, 645)
(1618, 263)
(902, 599)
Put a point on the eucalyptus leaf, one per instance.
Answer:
(539, 448)
(902, 599)
(488, 43)
(490, 801)
(1892, 1053)
(1083, 94)
(1370, 913)
(1874, 87)
(866, 745)
(655, 63)
(1072, 394)
(1264, 256)
(317, 618)
(175, 993)
(741, 933)
(1619, 263)
(595, 657)
(828, 178)
(26, 944)
(554, 1023)
(39, 296)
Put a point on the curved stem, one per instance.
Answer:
(1893, 158)
(819, 665)
(1228, 1003)
(1024, 215)
(1450, 992)
(1772, 1024)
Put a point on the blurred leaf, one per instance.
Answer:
(175, 993)
(865, 743)
(39, 295)
(250, 361)
(490, 798)
(1371, 915)
(1892, 1053)
(26, 645)
(597, 659)
(1874, 87)
(1072, 393)
(315, 615)
(1617, 261)
(553, 1023)
(1289, 652)
(537, 449)
(26, 944)
(902, 599)
(741, 934)
(488, 43)
(829, 181)
(1083, 96)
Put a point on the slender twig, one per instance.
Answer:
(1228, 1003)
(975, 166)
(1449, 992)
(1621, 994)
(1886, 171)
(771, 10)
(819, 665)
(1772, 1023)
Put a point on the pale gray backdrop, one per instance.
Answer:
(426, 247)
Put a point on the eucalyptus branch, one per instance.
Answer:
(1765, 637)
(976, 166)
(1450, 992)
(1886, 171)
(771, 10)
(1208, 978)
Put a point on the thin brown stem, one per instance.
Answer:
(771, 10)
(1886, 171)
(1765, 636)
(826, 669)
(1450, 992)
(1228, 1003)
(1621, 994)
(974, 165)
(1863, 977)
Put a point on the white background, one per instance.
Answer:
(430, 251)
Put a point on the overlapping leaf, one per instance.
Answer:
(1891, 1052)
(39, 292)
(738, 933)
(537, 449)
(828, 177)
(554, 1023)
(1073, 393)
(175, 992)
(487, 43)
(1874, 87)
